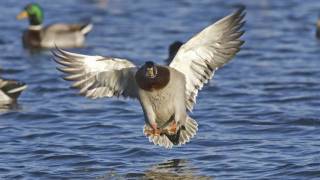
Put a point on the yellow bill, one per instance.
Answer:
(150, 72)
(22, 15)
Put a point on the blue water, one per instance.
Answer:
(258, 118)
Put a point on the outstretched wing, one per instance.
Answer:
(98, 76)
(207, 51)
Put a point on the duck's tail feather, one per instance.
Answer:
(161, 140)
(187, 131)
(183, 135)
(85, 29)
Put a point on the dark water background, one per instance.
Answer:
(259, 117)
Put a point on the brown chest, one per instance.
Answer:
(32, 39)
(151, 84)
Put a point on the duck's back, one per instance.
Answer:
(62, 35)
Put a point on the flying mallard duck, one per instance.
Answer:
(10, 90)
(62, 35)
(165, 93)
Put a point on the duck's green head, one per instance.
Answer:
(32, 11)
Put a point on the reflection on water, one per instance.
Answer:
(172, 170)
(175, 169)
(268, 92)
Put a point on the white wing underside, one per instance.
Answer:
(98, 76)
(207, 51)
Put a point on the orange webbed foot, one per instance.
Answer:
(154, 131)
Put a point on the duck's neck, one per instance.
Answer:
(35, 27)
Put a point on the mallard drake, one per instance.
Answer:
(10, 90)
(62, 35)
(165, 93)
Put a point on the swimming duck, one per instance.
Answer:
(165, 93)
(63, 35)
(173, 49)
(10, 90)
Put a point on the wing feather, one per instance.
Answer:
(207, 51)
(97, 76)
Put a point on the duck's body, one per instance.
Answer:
(62, 35)
(164, 107)
(154, 99)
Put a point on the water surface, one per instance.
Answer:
(258, 118)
